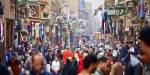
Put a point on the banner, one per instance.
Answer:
(1, 32)
(82, 5)
(42, 30)
(141, 9)
(105, 25)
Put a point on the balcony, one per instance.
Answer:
(33, 11)
(44, 2)
(29, 2)
(109, 2)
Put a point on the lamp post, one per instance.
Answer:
(68, 27)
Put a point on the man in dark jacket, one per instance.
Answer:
(70, 68)
(49, 56)
(3, 68)
(134, 66)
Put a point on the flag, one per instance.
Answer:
(105, 25)
(81, 5)
(114, 28)
(141, 9)
(1, 32)
(29, 27)
(42, 30)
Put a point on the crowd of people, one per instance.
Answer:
(38, 59)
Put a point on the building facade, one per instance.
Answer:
(7, 24)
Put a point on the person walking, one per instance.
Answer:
(104, 66)
(38, 66)
(3, 68)
(15, 66)
(117, 68)
(55, 66)
(90, 64)
(134, 66)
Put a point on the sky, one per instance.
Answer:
(95, 3)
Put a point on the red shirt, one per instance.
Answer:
(67, 54)
(81, 65)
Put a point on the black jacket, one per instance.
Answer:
(3, 70)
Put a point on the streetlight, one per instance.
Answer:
(68, 15)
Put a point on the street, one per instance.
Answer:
(74, 37)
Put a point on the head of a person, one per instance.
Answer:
(56, 47)
(129, 43)
(68, 61)
(38, 63)
(10, 49)
(56, 58)
(34, 51)
(77, 50)
(85, 54)
(144, 37)
(30, 46)
(49, 43)
(49, 46)
(90, 63)
(115, 59)
(50, 50)
(104, 64)
(67, 48)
